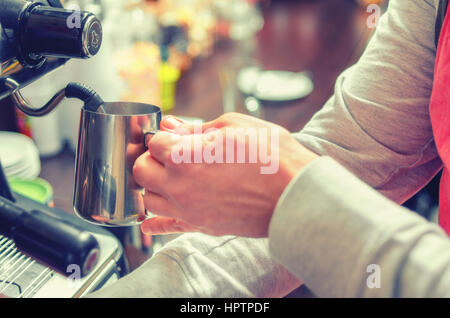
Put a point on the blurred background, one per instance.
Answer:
(274, 59)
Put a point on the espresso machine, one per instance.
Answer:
(46, 252)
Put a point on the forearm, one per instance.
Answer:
(329, 227)
(377, 123)
(197, 265)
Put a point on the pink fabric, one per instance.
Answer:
(440, 119)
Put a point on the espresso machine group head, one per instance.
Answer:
(37, 37)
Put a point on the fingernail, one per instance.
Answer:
(141, 218)
(172, 122)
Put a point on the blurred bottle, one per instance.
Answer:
(168, 74)
(168, 77)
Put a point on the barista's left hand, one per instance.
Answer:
(216, 198)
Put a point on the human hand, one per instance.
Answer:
(221, 178)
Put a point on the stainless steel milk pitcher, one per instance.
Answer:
(110, 139)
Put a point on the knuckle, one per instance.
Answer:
(139, 167)
(230, 117)
(154, 142)
(225, 118)
(159, 140)
(139, 162)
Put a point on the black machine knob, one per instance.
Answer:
(42, 31)
(57, 32)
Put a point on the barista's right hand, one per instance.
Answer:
(218, 197)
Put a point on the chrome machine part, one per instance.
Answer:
(37, 38)
(21, 103)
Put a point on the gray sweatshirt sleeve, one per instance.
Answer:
(198, 265)
(344, 239)
(377, 124)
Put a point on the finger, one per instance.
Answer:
(171, 123)
(157, 204)
(161, 225)
(149, 173)
(162, 144)
(178, 150)
(178, 126)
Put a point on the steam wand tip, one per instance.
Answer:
(92, 101)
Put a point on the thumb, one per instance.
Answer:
(171, 123)
(160, 225)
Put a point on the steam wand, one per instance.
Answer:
(92, 101)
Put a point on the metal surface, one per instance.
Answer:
(21, 103)
(22, 276)
(90, 36)
(13, 70)
(26, 275)
(105, 192)
(35, 41)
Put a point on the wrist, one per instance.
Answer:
(291, 166)
(298, 162)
